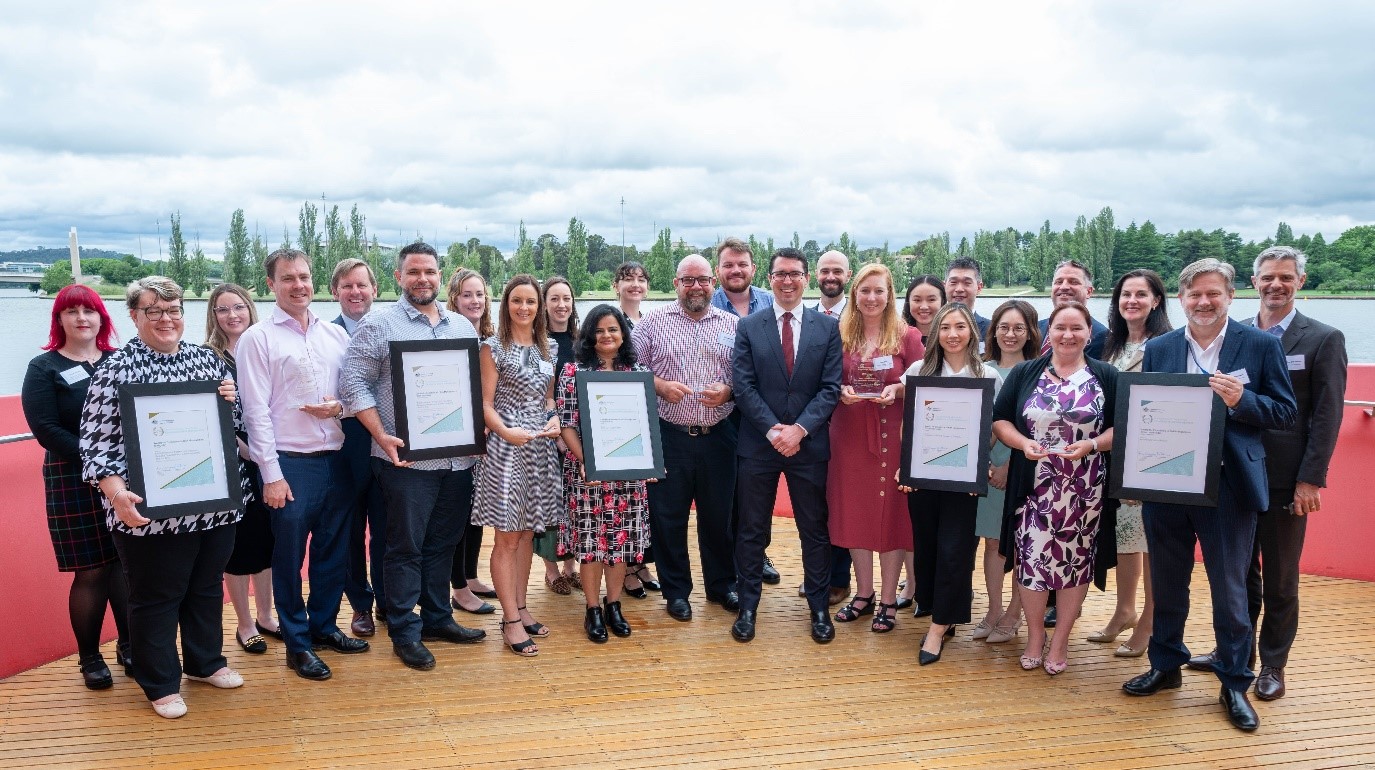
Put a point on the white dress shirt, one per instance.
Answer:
(1205, 357)
(796, 324)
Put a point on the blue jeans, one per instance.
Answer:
(427, 514)
(318, 515)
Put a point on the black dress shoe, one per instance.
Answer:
(595, 625)
(1203, 662)
(730, 600)
(1051, 616)
(823, 630)
(742, 630)
(124, 655)
(641, 574)
(771, 575)
(415, 655)
(615, 621)
(635, 593)
(95, 673)
(265, 631)
(1152, 682)
(485, 594)
(1239, 711)
(339, 642)
(679, 609)
(925, 658)
(1270, 683)
(453, 633)
(921, 612)
(308, 665)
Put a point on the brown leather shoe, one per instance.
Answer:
(362, 624)
(1270, 683)
(838, 595)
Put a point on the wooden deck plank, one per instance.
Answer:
(686, 695)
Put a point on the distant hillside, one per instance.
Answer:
(49, 256)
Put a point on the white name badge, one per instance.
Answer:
(726, 340)
(545, 367)
(1241, 374)
(77, 374)
(1295, 362)
(1080, 377)
(883, 362)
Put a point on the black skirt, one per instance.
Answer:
(76, 518)
(253, 539)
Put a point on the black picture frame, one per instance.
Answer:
(1126, 420)
(916, 385)
(223, 492)
(586, 385)
(463, 352)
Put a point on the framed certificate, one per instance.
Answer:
(947, 423)
(437, 387)
(619, 420)
(1167, 440)
(179, 440)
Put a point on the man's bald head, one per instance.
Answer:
(692, 259)
(832, 273)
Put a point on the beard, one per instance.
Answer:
(695, 302)
(419, 300)
(831, 288)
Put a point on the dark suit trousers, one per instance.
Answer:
(944, 543)
(758, 491)
(701, 470)
(175, 583)
(466, 556)
(368, 513)
(1274, 577)
(317, 518)
(1227, 536)
(428, 511)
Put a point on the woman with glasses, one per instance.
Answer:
(519, 492)
(1137, 314)
(174, 565)
(469, 297)
(608, 521)
(231, 312)
(1013, 337)
(54, 389)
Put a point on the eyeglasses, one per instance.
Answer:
(156, 313)
(1005, 329)
(688, 281)
(239, 308)
(788, 275)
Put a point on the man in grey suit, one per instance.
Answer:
(787, 382)
(1295, 460)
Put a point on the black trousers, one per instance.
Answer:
(368, 512)
(175, 583)
(943, 544)
(758, 491)
(1273, 580)
(701, 470)
(427, 513)
(466, 555)
(1227, 537)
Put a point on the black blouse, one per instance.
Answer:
(54, 390)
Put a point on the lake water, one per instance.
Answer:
(26, 320)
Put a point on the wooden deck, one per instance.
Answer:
(686, 695)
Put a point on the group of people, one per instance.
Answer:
(753, 387)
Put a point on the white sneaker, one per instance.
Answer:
(226, 679)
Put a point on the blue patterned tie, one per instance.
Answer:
(1275, 331)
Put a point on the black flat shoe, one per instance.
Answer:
(823, 631)
(95, 673)
(1050, 618)
(485, 594)
(595, 625)
(256, 644)
(771, 575)
(1239, 711)
(742, 630)
(483, 609)
(339, 642)
(679, 609)
(635, 593)
(414, 655)
(123, 656)
(730, 600)
(268, 632)
(308, 665)
(1152, 682)
(453, 633)
(615, 621)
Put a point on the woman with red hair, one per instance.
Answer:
(54, 390)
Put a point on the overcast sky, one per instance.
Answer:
(891, 121)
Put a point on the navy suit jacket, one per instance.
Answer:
(766, 396)
(1095, 347)
(1267, 402)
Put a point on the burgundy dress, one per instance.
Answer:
(866, 508)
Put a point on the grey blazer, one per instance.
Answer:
(1316, 356)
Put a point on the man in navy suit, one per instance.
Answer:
(1247, 371)
(787, 382)
(1074, 283)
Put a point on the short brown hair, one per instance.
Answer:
(282, 255)
(345, 267)
(734, 244)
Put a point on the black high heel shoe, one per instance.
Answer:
(927, 658)
(637, 592)
(639, 572)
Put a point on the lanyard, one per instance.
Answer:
(1201, 368)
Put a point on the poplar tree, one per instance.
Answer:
(578, 277)
(236, 248)
(196, 271)
(177, 268)
(525, 253)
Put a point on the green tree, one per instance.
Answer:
(57, 276)
(197, 269)
(308, 238)
(525, 253)
(1284, 235)
(256, 276)
(1354, 249)
(578, 277)
(236, 248)
(177, 267)
(660, 262)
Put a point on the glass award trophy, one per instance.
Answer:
(868, 383)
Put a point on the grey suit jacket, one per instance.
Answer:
(1316, 355)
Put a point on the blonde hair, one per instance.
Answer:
(215, 338)
(935, 354)
(460, 277)
(891, 326)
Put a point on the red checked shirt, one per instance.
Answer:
(696, 353)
